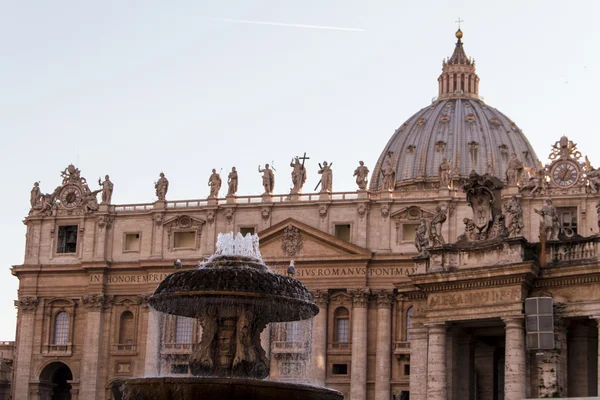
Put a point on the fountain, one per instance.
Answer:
(234, 296)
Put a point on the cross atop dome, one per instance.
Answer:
(458, 78)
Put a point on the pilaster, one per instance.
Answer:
(358, 386)
(418, 362)
(94, 305)
(26, 318)
(319, 337)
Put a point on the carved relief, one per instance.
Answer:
(229, 214)
(421, 121)
(27, 304)
(320, 297)
(105, 221)
(291, 241)
(470, 118)
(362, 209)
(360, 297)
(384, 298)
(411, 149)
(97, 302)
(495, 122)
(323, 211)
(265, 213)
(445, 118)
(210, 217)
(158, 218)
(385, 210)
(565, 149)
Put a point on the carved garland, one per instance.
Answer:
(292, 241)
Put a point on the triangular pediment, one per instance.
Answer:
(291, 239)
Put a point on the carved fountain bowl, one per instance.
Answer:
(231, 282)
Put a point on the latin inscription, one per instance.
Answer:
(472, 298)
(129, 279)
(350, 271)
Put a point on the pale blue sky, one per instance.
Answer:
(138, 87)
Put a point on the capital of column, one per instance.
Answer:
(384, 298)
(320, 297)
(513, 322)
(27, 304)
(143, 300)
(360, 297)
(437, 327)
(97, 302)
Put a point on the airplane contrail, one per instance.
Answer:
(335, 28)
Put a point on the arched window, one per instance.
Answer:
(342, 325)
(183, 330)
(61, 328)
(126, 328)
(409, 314)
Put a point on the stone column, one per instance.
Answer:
(515, 362)
(319, 337)
(551, 370)
(436, 362)
(384, 345)
(26, 308)
(358, 385)
(94, 304)
(418, 362)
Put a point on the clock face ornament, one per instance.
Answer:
(70, 196)
(565, 174)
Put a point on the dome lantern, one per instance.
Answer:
(458, 78)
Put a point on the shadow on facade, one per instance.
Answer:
(55, 379)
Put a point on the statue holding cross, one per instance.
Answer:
(298, 174)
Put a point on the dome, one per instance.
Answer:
(459, 127)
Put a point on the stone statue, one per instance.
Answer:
(298, 175)
(550, 224)
(444, 173)
(326, 177)
(435, 227)
(107, 189)
(421, 241)
(214, 181)
(389, 175)
(361, 173)
(161, 186)
(89, 200)
(35, 196)
(514, 170)
(598, 212)
(515, 212)
(537, 184)
(232, 182)
(268, 179)
(593, 177)
(71, 174)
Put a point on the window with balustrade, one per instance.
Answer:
(184, 329)
(341, 326)
(61, 329)
(293, 332)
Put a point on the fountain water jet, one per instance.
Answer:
(234, 296)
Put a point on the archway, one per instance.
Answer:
(56, 376)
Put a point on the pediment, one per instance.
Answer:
(412, 213)
(291, 239)
(183, 221)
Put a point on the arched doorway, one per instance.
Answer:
(56, 377)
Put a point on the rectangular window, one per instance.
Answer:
(342, 331)
(247, 230)
(179, 368)
(406, 369)
(293, 331)
(339, 369)
(568, 220)
(409, 232)
(183, 330)
(132, 242)
(67, 239)
(184, 240)
(342, 231)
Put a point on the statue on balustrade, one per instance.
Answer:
(161, 186)
(326, 177)
(214, 181)
(550, 224)
(268, 179)
(107, 189)
(388, 173)
(232, 182)
(361, 173)
(298, 175)
(515, 213)
(514, 170)
(35, 196)
(593, 177)
(435, 227)
(538, 182)
(421, 241)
